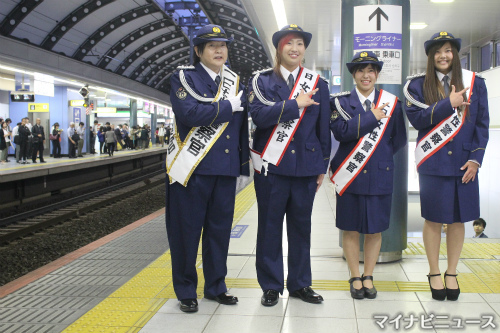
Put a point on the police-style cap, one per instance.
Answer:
(442, 36)
(364, 57)
(209, 33)
(288, 29)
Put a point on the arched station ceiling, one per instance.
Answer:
(137, 39)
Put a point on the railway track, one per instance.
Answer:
(33, 221)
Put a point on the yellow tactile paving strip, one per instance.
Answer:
(130, 307)
(469, 251)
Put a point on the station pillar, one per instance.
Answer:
(133, 112)
(154, 118)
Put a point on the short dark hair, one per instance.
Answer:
(480, 221)
(363, 66)
(8, 120)
(81, 123)
(201, 48)
(96, 121)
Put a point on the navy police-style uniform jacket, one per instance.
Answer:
(376, 178)
(469, 143)
(309, 151)
(230, 154)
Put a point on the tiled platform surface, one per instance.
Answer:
(75, 295)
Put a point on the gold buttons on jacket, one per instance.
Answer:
(364, 171)
(227, 151)
(293, 151)
(450, 152)
(451, 140)
(314, 149)
(388, 169)
(293, 139)
(228, 137)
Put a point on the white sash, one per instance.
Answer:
(359, 156)
(283, 132)
(184, 157)
(445, 130)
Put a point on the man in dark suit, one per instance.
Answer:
(38, 141)
(24, 133)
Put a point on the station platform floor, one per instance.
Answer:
(13, 170)
(122, 283)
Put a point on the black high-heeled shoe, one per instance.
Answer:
(451, 294)
(437, 294)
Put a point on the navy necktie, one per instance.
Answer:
(217, 80)
(291, 82)
(446, 85)
(368, 105)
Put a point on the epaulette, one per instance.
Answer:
(185, 67)
(411, 77)
(343, 93)
(262, 71)
(324, 79)
(479, 75)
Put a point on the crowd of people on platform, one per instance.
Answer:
(28, 140)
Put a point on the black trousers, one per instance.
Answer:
(101, 145)
(23, 153)
(92, 145)
(71, 149)
(111, 148)
(56, 148)
(37, 147)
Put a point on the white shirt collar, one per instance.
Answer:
(362, 98)
(441, 75)
(210, 72)
(286, 73)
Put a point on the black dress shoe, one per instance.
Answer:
(451, 294)
(307, 295)
(34, 161)
(224, 298)
(270, 297)
(43, 162)
(437, 294)
(188, 305)
(356, 293)
(370, 293)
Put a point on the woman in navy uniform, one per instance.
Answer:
(364, 204)
(288, 186)
(449, 108)
(207, 201)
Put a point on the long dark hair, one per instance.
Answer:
(433, 89)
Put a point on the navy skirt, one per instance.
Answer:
(444, 199)
(366, 214)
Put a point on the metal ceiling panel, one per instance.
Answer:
(112, 26)
(71, 20)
